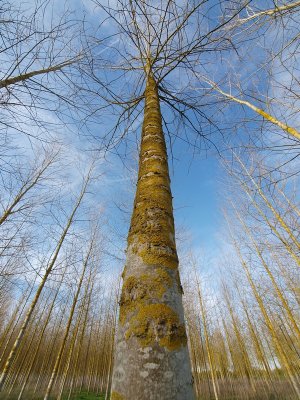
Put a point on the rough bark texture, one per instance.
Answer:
(151, 359)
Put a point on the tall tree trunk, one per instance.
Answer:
(152, 360)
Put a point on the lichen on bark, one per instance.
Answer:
(138, 290)
(116, 396)
(157, 323)
(152, 238)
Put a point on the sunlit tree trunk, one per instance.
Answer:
(49, 350)
(17, 314)
(111, 347)
(68, 326)
(207, 340)
(96, 338)
(82, 334)
(34, 302)
(289, 129)
(89, 358)
(38, 345)
(237, 369)
(259, 350)
(193, 355)
(24, 353)
(278, 291)
(291, 284)
(152, 360)
(101, 373)
(277, 344)
(69, 356)
(246, 367)
(278, 218)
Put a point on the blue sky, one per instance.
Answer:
(196, 180)
(195, 184)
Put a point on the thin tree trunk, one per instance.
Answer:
(24, 77)
(55, 331)
(37, 347)
(30, 311)
(277, 344)
(207, 343)
(15, 318)
(290, 130)
(268, 271)
(69, 357)
(82, 335)
(67, 329)
(246, 366)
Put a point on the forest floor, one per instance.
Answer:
(79, 396)
(88, 396)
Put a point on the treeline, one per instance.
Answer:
(59, 309)
(243, 318)
(57, 300)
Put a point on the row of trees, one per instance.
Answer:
(242, 320)
(244, 324)
(57, 301)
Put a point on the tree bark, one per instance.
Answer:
(151, 359)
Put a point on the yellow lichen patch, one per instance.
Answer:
(144, 204)
(157, 323)
(116, 396)
(137, 291)
(155, 180)
(152, 232)
(154, 163)
(152, 143)
(153, 229)
(152, 256)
